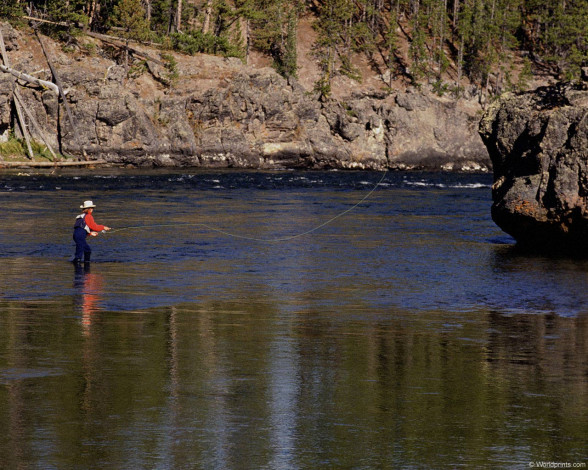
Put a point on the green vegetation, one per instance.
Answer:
(11, 147)
(446, 41)
(14, 147)
(273, 30)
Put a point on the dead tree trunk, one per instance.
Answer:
(207, 15)
(29, 78)
(120, 43)
(37, 127)
(179, 17)
(64, 99)
(17, 100)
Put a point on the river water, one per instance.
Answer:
(211, 331)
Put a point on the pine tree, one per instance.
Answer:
(10, 9)
(289, 66)
(480, 37)
(418, 47)
(566, 38)
(332, 27)
(72, 11)
(275, 25)
(130, 15)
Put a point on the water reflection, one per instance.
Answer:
(218, 383)
(523, 283)
(399, 337)
(89, 289)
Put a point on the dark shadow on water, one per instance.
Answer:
(502, 240)
(536, 284)
(554, 253)
(508, 257)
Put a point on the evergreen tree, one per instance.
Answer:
(566, 37)
(72, 11)
(10, 9)
(275, 24)
(418, 48)
(289, 64)
(332, 27)
(130, 15)
(480, 38)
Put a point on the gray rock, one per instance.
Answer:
(222, 113)
(538, 143)
(5, 100)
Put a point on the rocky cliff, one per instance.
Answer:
(538, 143)
(219, 113)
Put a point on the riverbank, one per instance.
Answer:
(46, 164)
(219, 113)
(92, 164)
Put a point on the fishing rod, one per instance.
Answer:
(245, 237)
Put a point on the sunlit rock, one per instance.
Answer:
(538, 143)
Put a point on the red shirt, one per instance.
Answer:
(91, 224)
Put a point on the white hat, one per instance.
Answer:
(87, 205)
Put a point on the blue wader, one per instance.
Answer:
(83, 250)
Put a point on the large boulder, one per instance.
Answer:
(538, 143)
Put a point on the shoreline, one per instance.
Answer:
(33, 164)
(93, 164)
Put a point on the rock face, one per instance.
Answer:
(538, 143)
(220, 113)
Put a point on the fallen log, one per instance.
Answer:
(21, 120)
(62, 94)
(17, 100)
(33, 20)
(36, 125)
(30, 79)
(121, 43)
(5, 164)
(41, 20)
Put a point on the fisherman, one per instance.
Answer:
(84, 226)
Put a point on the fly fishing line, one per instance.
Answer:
(245, 237)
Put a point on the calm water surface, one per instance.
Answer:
(407, 333)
